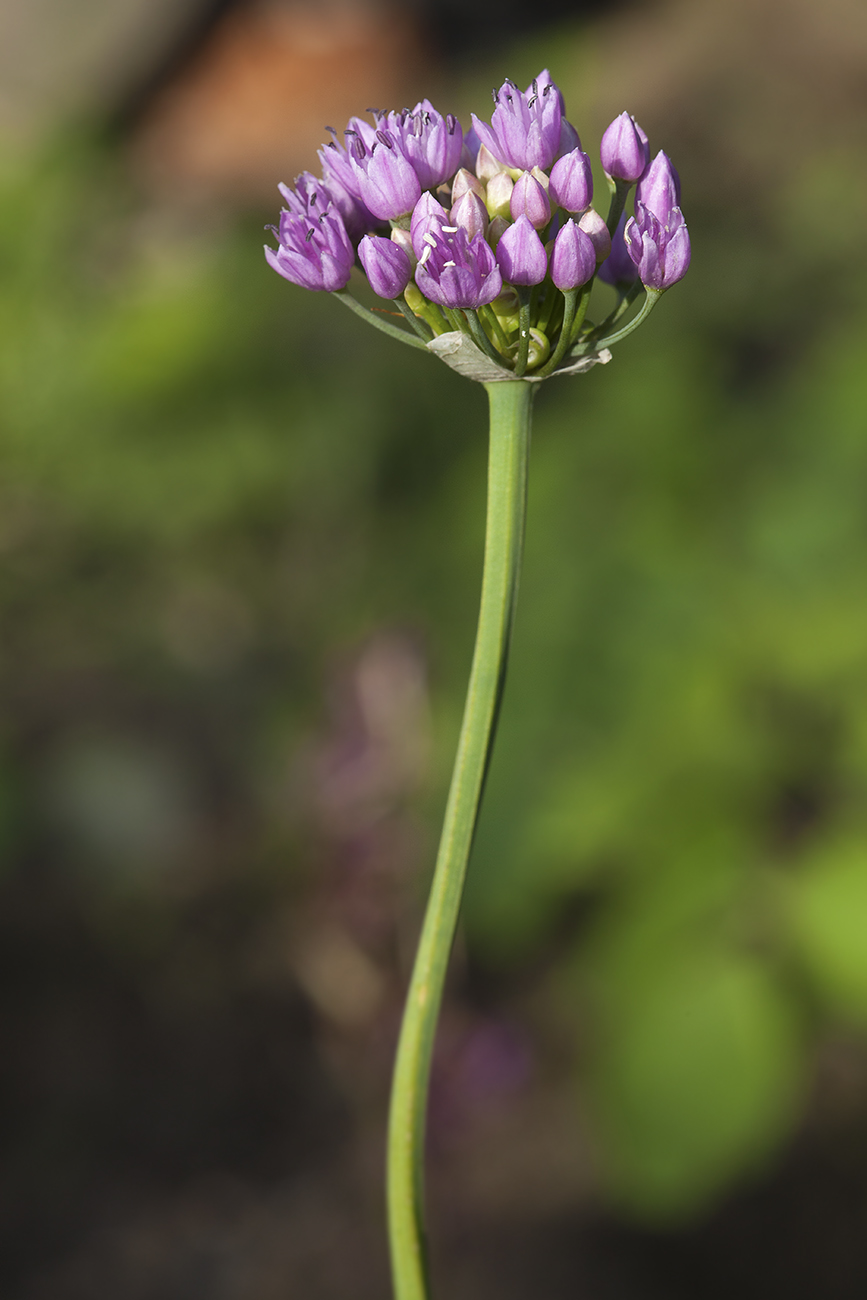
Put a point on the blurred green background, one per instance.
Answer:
(240, 547)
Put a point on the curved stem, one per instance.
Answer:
(510, 408)
(652, 298)
(394, 330)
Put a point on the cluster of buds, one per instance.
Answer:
(490, 234)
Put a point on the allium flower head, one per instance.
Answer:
(315, 253)
(660, 252)
(457, 271)
(525, 127)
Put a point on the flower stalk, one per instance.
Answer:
(510, 414)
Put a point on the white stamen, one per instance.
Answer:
(425, 255)
(445, 264)
(450, 230)
(429, 239)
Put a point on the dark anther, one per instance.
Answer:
(310, 233)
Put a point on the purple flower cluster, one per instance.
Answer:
(459, 221)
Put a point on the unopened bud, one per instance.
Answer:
(540, 349)
(624, 149)
(403, 239)
(572, 181)
(496, 230)
(498, 194)
(465, 182)
(487, 166)
(471, 213)
(594, 225)
(530, 199)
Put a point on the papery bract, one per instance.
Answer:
(386, 265)
(317, 253)
(571, 183)
(456, 271)
(525, 127)
(660, 252)
(386, 179)
(624, 150)
(521, 254)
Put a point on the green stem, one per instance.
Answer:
(523, 333)
(650, 301)
(372, 319)
(481, 339)
(573, 316)
(420, 329)
(510, 409)
(618, 203)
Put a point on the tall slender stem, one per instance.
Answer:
(510, 410)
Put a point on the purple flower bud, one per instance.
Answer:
(573, 259)
(457, 271)
(571, 184)
(470, 213)
(619, 268)
(315, 253)
(521, 254)
(660, 252)
(624, 150)
(386, 180)
(530, 199)
(427, 214)
(659, 188)
(464, 181)
(387, 267)
(594, 225)
(498, 194)
(525, 128)
(432, 143)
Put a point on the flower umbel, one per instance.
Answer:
(444, 223)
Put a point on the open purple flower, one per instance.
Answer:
(660, 252)
(525, 128)
(432, 143)
(342, 185)
(428, 214)
(315, 253)
(386, 179)
(456, 271)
